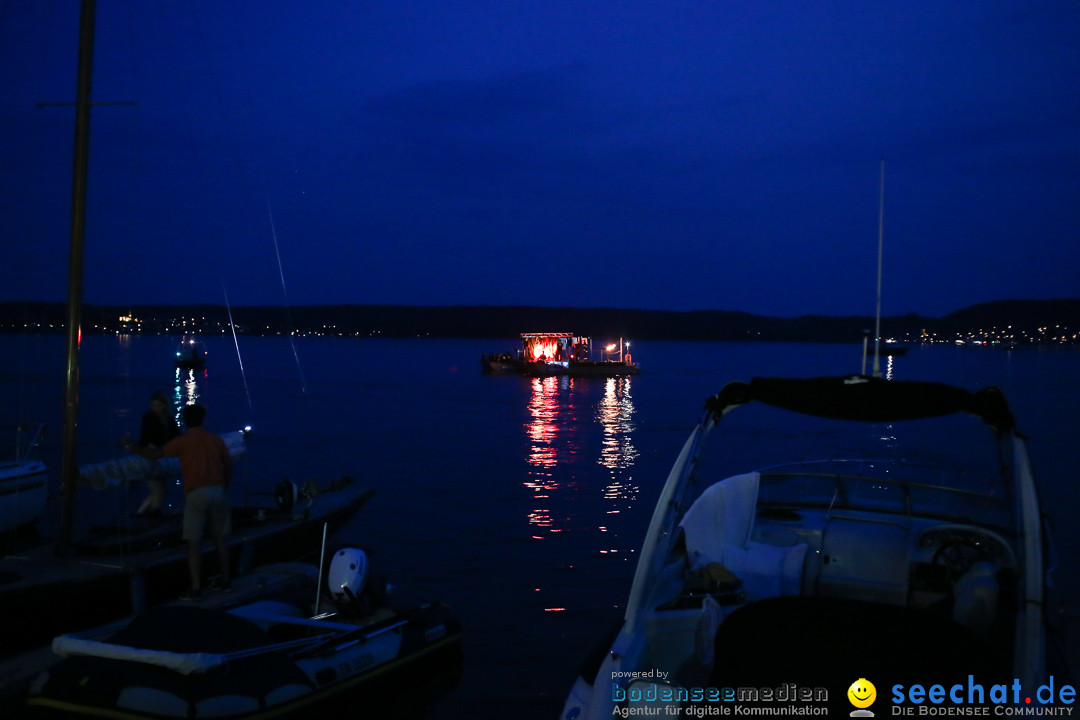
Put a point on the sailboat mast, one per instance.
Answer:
(69, 467)
(880, 246)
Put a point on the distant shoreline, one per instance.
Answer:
(1016, 322)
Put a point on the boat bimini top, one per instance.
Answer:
(868, 399)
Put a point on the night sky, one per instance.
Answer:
(657, 155)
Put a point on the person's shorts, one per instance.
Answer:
(206, 507)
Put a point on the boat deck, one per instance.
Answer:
(18, 671)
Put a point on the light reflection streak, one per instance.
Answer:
(543, 427)
(556, 426)
(185, 389)
(616, 416)
(543, 432)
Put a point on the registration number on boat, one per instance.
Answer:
(356, 664)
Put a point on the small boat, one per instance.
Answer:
(23, 486)
(120, 569)
(190, 354)
(277, 652)
(913, 564)
(559, 353)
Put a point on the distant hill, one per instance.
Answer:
(1028, 317)
(1018, 312)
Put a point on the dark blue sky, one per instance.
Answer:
(661, 155)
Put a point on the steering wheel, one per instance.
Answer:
(958, 554)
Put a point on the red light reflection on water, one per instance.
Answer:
(543, 428)
(557, 416)
(547, 441)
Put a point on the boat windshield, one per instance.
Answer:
(949, 467)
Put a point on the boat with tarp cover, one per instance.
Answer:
(278, 652)
(847, 528)
(563, 353)
(135, 468)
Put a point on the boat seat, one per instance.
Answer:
(717, 528)
(865, 558)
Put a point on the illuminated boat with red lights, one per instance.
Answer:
(562, 353)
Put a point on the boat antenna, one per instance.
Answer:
(232, 326)
(69, 468)
(880, 245)
(285, 294)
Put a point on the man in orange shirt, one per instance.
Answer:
(207, 469)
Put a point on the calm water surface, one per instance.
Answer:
(521, 502)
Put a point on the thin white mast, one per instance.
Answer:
(880, 245)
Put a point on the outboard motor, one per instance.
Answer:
(347, 576)
(349, 585)
(286, 494)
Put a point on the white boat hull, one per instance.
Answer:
(23, 492)
(134, 468)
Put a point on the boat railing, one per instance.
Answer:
(886, 485)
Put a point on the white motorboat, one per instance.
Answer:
(770, 579)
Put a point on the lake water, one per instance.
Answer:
(520, 502)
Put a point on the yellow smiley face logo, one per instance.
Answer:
(862, 693)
